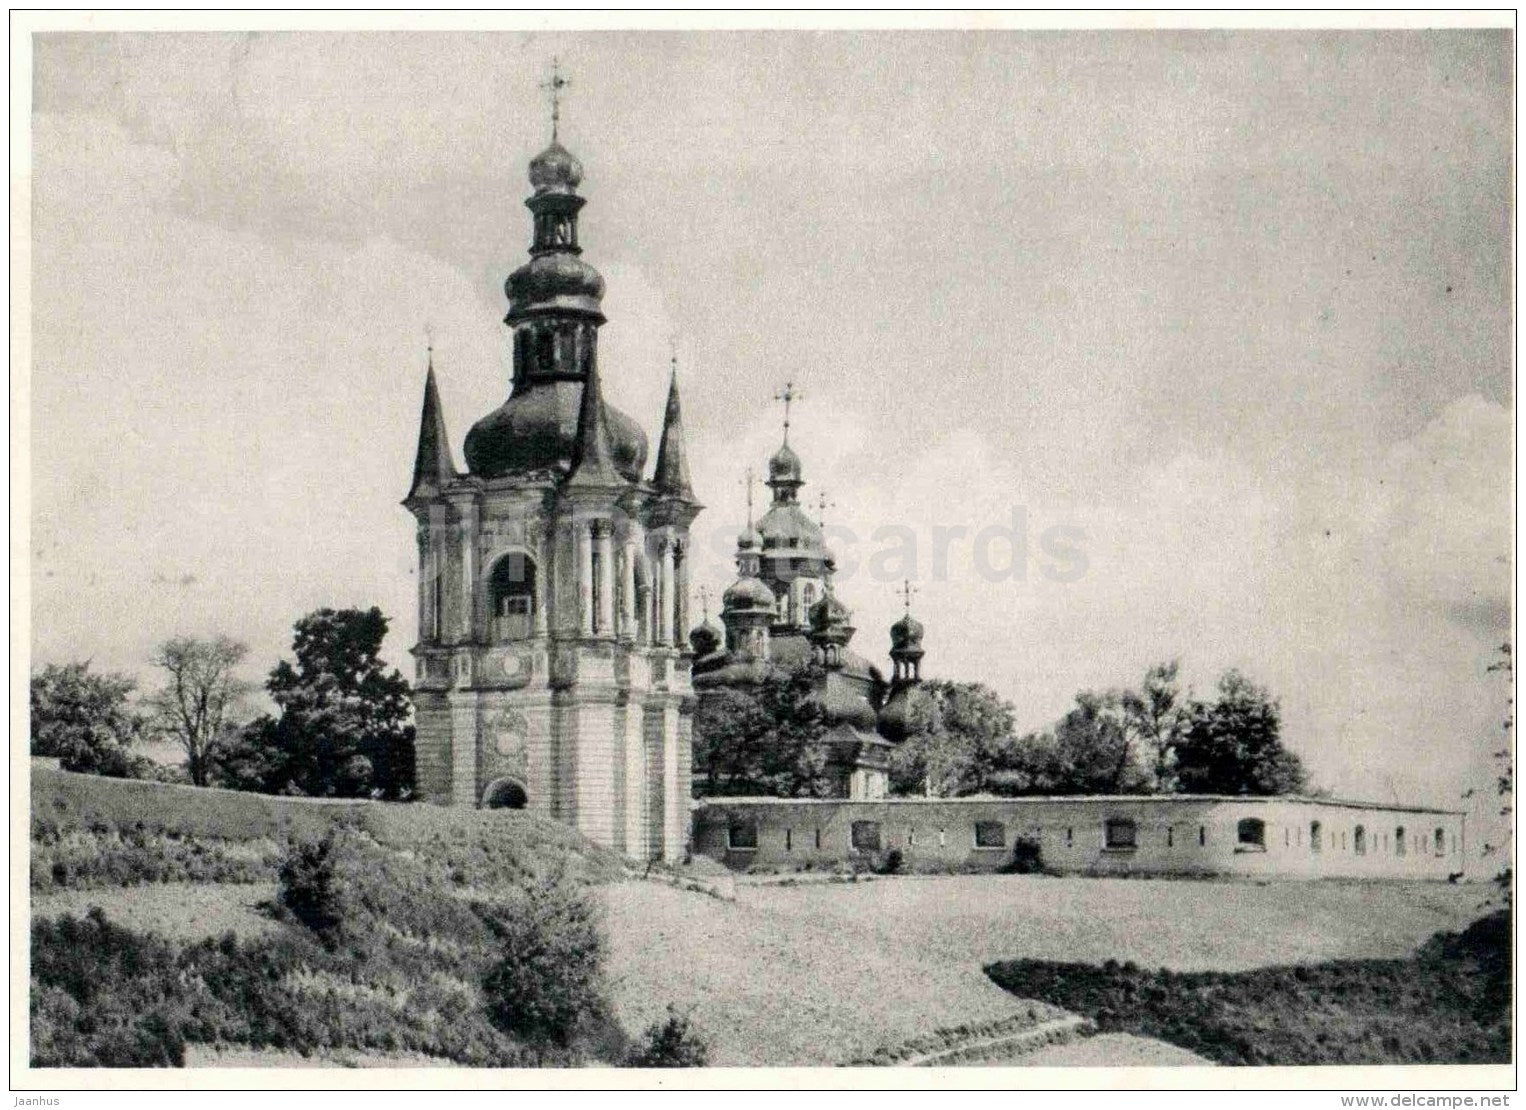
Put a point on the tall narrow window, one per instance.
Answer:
(437, 607)
(1316, 836)
(1170, 836)
(1441, 842)
(1399, 846)
(1070, 837)
(1360, 840)
(511, 591)
(1202, 835)
(818, 838)
(789, 840)
(596, 591)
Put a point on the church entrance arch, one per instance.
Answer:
(504, 794)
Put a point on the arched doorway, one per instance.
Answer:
(504, 794)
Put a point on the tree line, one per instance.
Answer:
(962, 740)
(341, 726)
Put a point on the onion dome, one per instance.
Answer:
(906, 633)
(706, 637)
(829, 613)
(785, 467)
(559, 282)
(555, 170)
(536, 430)
(748, 594)
(842, 704)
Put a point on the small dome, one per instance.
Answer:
(705, 637)
(749, 594)
(555, 170)
(784, 466)
(909, 707)
(906, 632)
(559, 281)
(829, 613)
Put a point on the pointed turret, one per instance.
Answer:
(672, 474)
(593, 465)
(433, 468)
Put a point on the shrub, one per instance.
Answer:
(315, 882)
(547, 987)
(892, 862)
(672, 1043)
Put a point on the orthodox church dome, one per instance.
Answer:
(536, 429)
(784, 466)
(829, 613)
(749, 594)
(558, 281)
(907, 705)
(706, 637)
(555, 170)
(906, 632)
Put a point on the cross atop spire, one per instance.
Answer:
(905, 592)
(747, 479)
(554, 85)
(822, 505)
(429, 341)
(788, 395)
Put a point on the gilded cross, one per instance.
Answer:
(788, 395)
(554, 86)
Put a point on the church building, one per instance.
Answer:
(553, 593)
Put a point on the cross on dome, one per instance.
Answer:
(788, 395)
(554, 85)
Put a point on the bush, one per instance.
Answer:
(892, 863)
(670, 1044)
(548, 985)
(315, 882)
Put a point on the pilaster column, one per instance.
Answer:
(604, 617)
(627, 627)
(680, 591)
(665, 594)
(542, 551)
(585, 576)
(468, 537)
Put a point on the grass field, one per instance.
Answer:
(784, 975)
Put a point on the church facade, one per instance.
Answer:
(552, 590)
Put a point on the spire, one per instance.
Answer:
(433, 467)
(672, 474)
(592, 460)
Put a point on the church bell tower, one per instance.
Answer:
(553, 584)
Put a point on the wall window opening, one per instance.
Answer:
(511, 591)
(1120, 834)
(1316, 836)
(742, 836)
(990, 834)
(1400, 848)
(1250, 835)
(866, 836)
(1359, 840)
(1441, 842)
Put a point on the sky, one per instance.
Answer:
(1212, 329)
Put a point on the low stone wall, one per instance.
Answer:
(1123, 835)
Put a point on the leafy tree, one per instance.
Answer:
(343, 728)
(671, 1043)
(960, 741)
(200, 697)
(1234, 744)
(86, 721)
(763, 740)
(1157, 716)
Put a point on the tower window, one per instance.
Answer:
(511, 589)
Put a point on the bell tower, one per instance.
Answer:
(553, 579)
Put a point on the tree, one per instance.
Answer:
(1234, 745)
(343, 728)
(960, 741)
(1157, 715)
(764, 739)
(200, 698)
(86, 721)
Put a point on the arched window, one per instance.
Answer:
(1399, 848)
(511, 591)
(1250, 834)
(1316, 836)
(1360, 840)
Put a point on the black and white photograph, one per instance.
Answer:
(555, 552)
